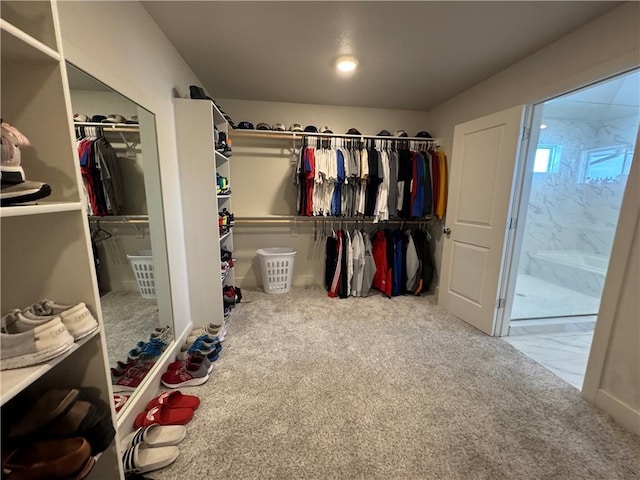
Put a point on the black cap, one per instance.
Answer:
(384, 133)
(310, 128)
(245, 126)
(353, 131)
(423, 134)
(263, 126)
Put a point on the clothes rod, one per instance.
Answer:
(273, 134)
(120, 219)
(116, 127)
(304, 219)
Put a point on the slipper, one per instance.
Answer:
(155, 436)
(142, 459)
(163, 415)
(175, 399)
(51, 405)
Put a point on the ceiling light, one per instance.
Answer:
(543, 126)
(346, 64)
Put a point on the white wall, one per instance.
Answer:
(262, 178)
(604, 47)
(120, 44)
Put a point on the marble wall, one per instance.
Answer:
(566, 212)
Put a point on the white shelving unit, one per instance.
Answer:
(199, 162)
(45, 248)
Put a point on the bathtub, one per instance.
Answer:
(584, 272)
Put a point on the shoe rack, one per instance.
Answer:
(199, 162)
(45, 248)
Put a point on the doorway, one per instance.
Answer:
(579, 157)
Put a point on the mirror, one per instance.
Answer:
(117, 146)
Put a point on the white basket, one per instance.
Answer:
(143, 271)
(276, 264)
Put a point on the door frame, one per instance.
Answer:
(517, 217)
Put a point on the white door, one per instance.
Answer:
(480, 191)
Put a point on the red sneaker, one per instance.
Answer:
(163, 415)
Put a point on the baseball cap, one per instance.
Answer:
(263, 126)
(245, 126)
(311, 128)
(278, 127)
(114, 118)
(423, 134)
(98, 118)
(400, 133)
(295, 127)
(325, 129)
(384, 133)
(80, 117)
(133, 119)
(353, 131)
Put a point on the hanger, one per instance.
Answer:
(100, 234)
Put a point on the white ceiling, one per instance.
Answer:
(413, 55)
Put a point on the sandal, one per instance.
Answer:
(142, 459)
(155, 436)
(175, 399)
(163, 415)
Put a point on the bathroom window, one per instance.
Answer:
(547, 158)
(603, 165)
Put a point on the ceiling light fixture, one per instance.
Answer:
(543, 126)
(346, 64)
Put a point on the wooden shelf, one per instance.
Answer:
(225, 236)
(220, 158)
(18, 46)
(223, 196)
(12, 382)
(41, 208)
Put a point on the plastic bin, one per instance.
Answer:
(276, 265)
(142, 265)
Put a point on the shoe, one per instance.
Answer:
(119, 401)
(49, 405)
(175, 399)
(190, 375)
(162, 333)
(22, 193)
(211, 329)
(142, 459)
(50, 459)
(37, 345)
(190, 358)
(163, 415)
(133, 377)
(89, 420)
(155, 436)
(77, 318)
(147, 351)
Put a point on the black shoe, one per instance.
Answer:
(25, 192)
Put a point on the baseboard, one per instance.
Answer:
(620, 411)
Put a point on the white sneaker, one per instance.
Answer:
(37, 345)
(77, 318)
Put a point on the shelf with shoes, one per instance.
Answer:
(46, 249)
(204, 171)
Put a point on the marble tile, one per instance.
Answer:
(565, 354)
(535, 298)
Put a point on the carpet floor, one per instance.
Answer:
(309, 387)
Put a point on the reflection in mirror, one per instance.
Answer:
(117, 149)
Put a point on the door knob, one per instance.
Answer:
(446, 231)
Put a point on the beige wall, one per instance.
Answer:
(119, 44)
(602, 48)
(262, 178)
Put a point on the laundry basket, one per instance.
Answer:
(142, 265)
(276, 264)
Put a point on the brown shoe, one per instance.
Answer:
(68, 459)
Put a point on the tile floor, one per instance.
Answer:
(537, 298)
(565, 353)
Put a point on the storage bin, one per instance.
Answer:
(276, 265)
(142, 265)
